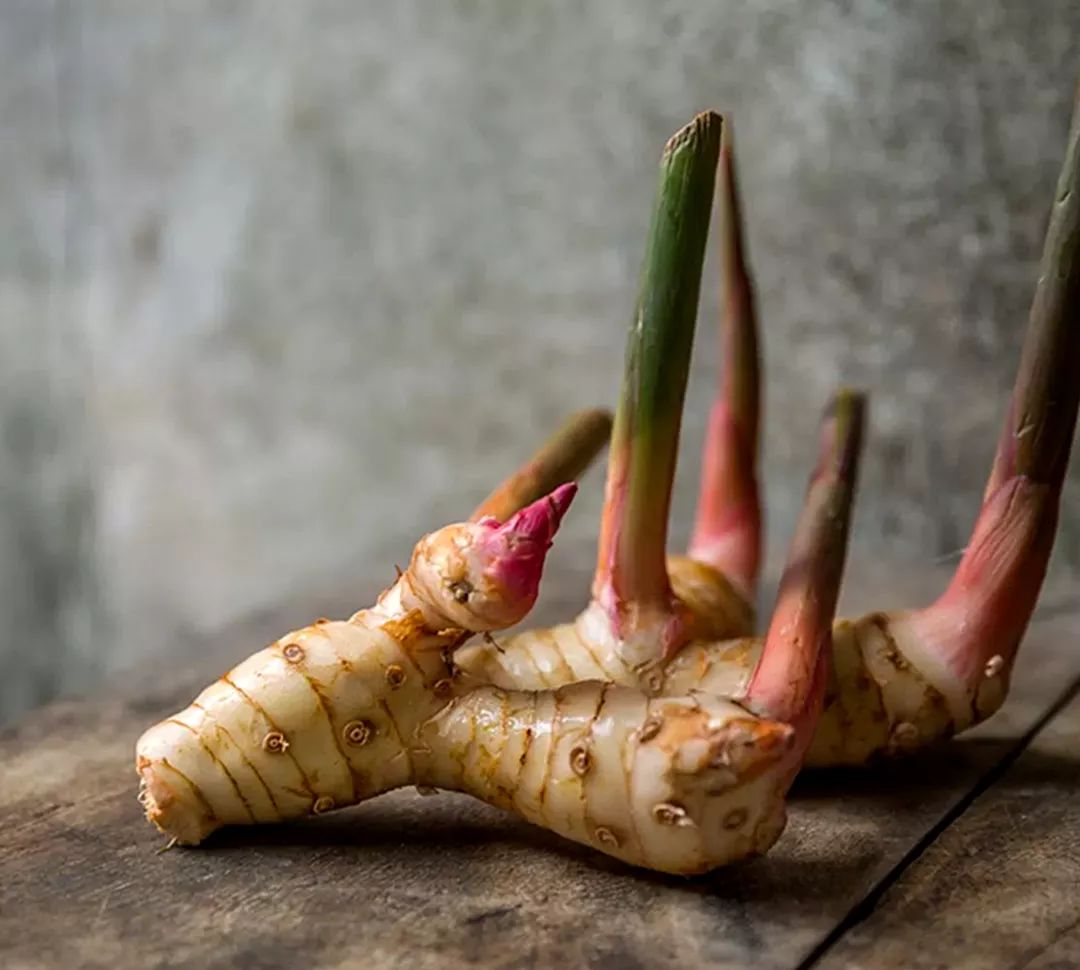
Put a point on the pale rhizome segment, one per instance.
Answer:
(682, 782)
(328, 715)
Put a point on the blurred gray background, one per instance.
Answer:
(283, 285)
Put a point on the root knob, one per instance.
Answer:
(275, 743)
(580, 760)
(606, 836)
(668, 813)
(358, 733)
(461, 590)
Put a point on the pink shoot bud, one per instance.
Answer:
(515, 551)
(483, 575)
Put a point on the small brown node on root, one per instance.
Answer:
(358, 733)
(443, 688)
(323, 804)
(606, 836)
(293, 652)
(461, 590)
(580, 760)
(395, 676)
(668, 813)
(275, 742)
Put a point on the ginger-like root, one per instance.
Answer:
(675, 784)
(336, 713)
(899, 680)
(677, 780)
(328, 715)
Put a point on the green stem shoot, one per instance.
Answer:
(631, 576)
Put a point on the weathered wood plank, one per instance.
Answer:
(439, 882)
(1000, 887)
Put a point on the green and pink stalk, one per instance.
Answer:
(727, 531)
(631, 581)
(976, 625)
(788, 683)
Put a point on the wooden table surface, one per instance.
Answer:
(968, 856)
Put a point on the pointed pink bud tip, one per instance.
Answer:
(540, 521)
(517, 548)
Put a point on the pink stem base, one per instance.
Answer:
(727, 532)
(985, 611)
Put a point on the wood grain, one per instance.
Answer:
(441, 881)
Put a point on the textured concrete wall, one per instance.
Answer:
(283, 284)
